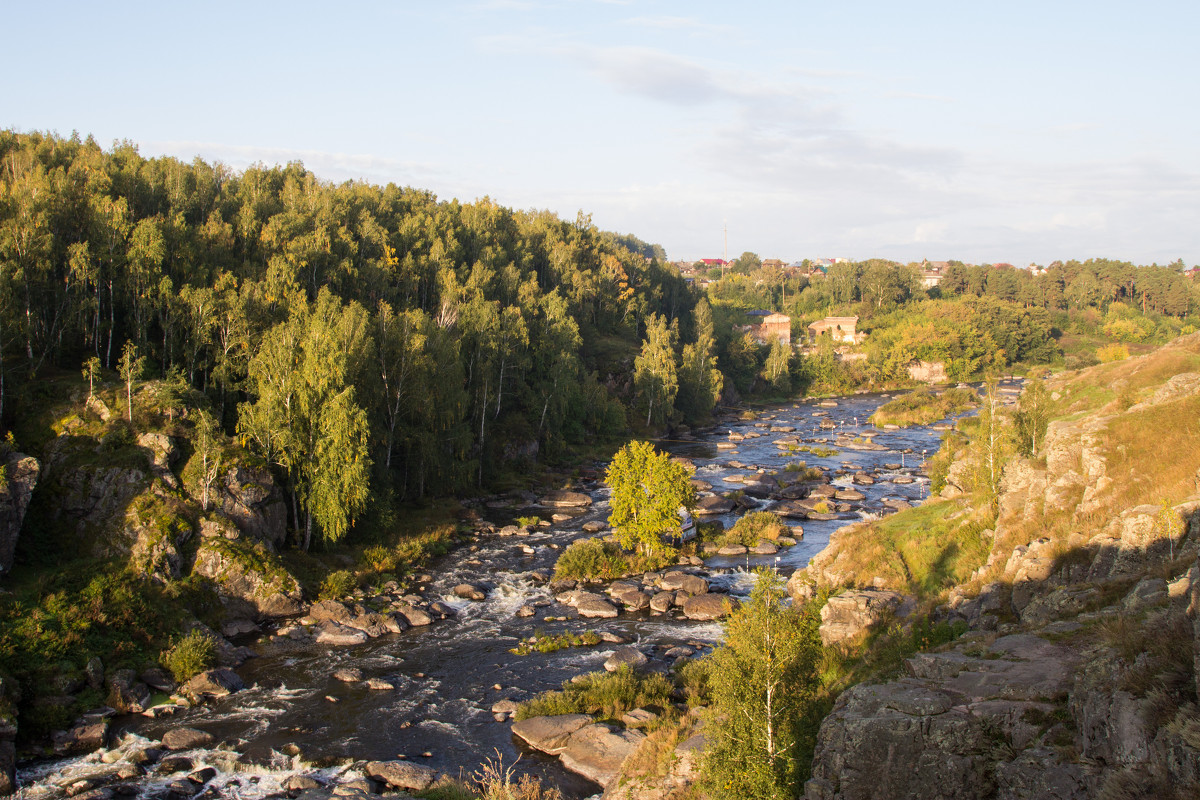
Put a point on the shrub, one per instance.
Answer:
(606, 694)
(337, 585)
(754, 526)
(1112, 352)
(591, 559)
(190, 655)
(379, 558)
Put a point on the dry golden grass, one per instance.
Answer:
(1151, 453)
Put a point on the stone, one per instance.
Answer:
(662, 602)
(379, 685)
(417, 617)
(597, 752)
(565, 499)
(348, 675)
(593, 606)
(250, 497)
(764, 548)
(340, 635)
(550, 734)
(713, 505)
(84, 737)
(300, 783)
(682, 581)
(187, 739)
(732, 550)
(402, 774)
(245, 588)
(375, 625)
(850, 613)
(703, 607)
(212, 683)
(324, 610)
(21, 473)
(504, 707)
(1148, 592)
(627, 655)
(638, 717)
(469, 591)
(525, 611)
(594, 526)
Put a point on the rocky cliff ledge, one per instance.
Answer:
(1077, 676)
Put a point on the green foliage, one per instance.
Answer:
(592, 560)
(648, 491)
(754, 526)
(189, 655)
(654, 371)
(1032, 417)
(337, 585)
(542, 643)
(761, 679)
(607, 695)
(923, 406)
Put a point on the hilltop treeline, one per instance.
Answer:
(353, 323)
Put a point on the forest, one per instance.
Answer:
(375, 340)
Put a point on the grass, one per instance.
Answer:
(542, 643)
(190, 655)
(591, 560)
(922, 550)
(754, 526)
(607, 695)
(922, 407)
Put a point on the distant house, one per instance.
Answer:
(840, 329)
(773, 326)
(714, 262)
(1192, 273)
(773, 262)
(932, 273)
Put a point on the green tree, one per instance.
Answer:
(306, 418)
(654, 371)
(761, 679)
(775, 369)
(1032, 417)
(700, 382)
(648, 490)
(208, 450)
(992, 443)
(91, 374)
(131, 366)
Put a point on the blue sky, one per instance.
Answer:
(1011, 132)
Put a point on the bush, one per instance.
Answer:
(1112, 352)
(754, 526)
(379, 558)
(606, 694)
(190, 655)
(591, 559)
(337, 585)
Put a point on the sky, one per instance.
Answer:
(988, 132)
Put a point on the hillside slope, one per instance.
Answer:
(1077, 675)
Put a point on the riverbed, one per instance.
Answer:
(448, 675)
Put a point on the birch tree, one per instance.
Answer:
(760, 679)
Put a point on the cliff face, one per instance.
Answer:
(1077, 677)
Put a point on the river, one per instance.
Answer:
(446, 674)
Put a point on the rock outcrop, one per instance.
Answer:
(20, 476)
(249, 578)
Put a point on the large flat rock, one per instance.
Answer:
(549, 734)
(597, 752)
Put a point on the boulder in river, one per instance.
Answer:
(676, 581)
(349, 675)
(469, 591)
(417, 617)
(704, 607)
(402, 774)
(662, 602)
(714, 505)
(550, 734)
(187, 739)
(213, 683)
(732, 550)
(597, 752)
(323, 610)
(625, 655)
(565, 499)
(340, 635)
(593, 605)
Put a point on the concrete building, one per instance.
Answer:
(843, 330)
